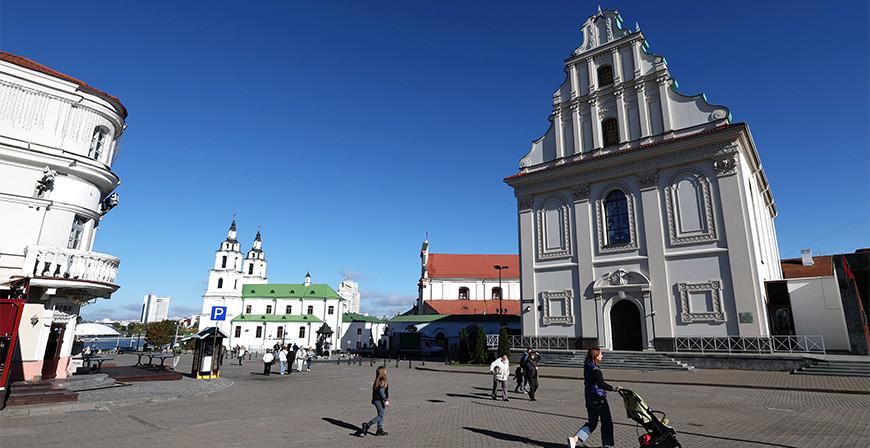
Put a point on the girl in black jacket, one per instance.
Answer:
(381, 400)
(595, 392)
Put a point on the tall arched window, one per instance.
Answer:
(463, 293)
(224, 262)
(99, 141)
(605, 75)
(496, 293)
(616, 218)
(251, 268)
(610, 131)
(220, 283)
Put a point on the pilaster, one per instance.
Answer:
(617, 65)
(560, 133)
(621, 118)
(582, 214)
(578, 129)
(642, 109)
(597, 142)
(593, 75)
(660, 301)
(527, 266)
(664, 84)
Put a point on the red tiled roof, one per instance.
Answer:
(630, 149)
(472, 266)
(35, 66)
(466, 307)
(794, 268)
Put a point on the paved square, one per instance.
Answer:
(440, 409)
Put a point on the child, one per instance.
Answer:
(380, 398)
(518, 374)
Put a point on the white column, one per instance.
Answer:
(575, 81)
(578, 129)
(597, 143)
(528, 297)
(590, 65)
(664, 99)
(560, 133)
(621, 118)
(642, 110)
(617, 66)
(636, 49)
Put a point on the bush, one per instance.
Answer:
(462, 349)
(504, 345)
(478, 353)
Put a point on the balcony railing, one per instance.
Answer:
(69, 264)
(751, 344)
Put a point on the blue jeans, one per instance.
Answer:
(597, 408)
(379, 420)
(282, 367)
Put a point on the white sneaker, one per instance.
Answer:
(572, 441)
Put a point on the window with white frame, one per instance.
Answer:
(288, 309)
(248, 309)
(268, 309)
(99, 142)
(330, 310)
(496, 293)
(76, 232)
(310, 309)
(463, 293)
(301, 332)
(259, 331)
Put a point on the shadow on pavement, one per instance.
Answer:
(357, 431)
(513, 438)
(476, 396)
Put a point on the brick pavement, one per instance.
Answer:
(436, 409)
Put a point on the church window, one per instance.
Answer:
(330, 310)
(288, 309)
(268, 309)
(280, 332)
(610, 131)
(259, 331)
(496, 293)
(248, 309)
(310, 309)
(220, 283)
(224, 262)
(251, 268)
(359, 331)
(76, 232)
(238, 331)
(236, 284)
(616, 218)
(301, 332)
(463, 293)
(605, 75)
(98, 142)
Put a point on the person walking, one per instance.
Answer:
(268, 359)
(500, 371)
(381, 401)
(282, 360)
(291, 359)
(530, 370)
(300, 359)
(241, 354)
(522, 383)
(309, 357)
(595, 393)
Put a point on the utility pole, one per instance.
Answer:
(500, 268)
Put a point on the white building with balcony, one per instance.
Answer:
(645, 215)
(58, 140)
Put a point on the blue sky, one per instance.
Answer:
(349, 129)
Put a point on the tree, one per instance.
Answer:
(478, 349)
(462, 349)
(504, 345)
(160, 333)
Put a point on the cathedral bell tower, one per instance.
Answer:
(227, 263)
(254, 269)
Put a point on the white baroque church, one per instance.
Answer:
(644, 214)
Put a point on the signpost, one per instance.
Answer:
(218, 313)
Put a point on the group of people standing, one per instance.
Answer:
(526, 374)
(288, 359)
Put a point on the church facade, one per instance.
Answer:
(644, 214)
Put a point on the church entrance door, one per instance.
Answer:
(625, 326)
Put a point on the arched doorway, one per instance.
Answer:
(625, 326)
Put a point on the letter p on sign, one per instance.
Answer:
(218, 313)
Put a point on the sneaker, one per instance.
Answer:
(506, 399)
(381, 432)
(365, 429)
(572, 442)
(493, 397)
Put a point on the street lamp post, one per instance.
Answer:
(500, 268)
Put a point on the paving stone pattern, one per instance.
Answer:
(442, 409)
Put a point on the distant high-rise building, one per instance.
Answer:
(154, 309)
(349, 291)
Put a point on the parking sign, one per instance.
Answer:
(218, 313)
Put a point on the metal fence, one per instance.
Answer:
(539, 342)
(751, 344)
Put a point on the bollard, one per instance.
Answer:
(397, 362)
(423, 361)
(409, 363)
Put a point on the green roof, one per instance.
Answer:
(419, 318)
(276, 318)
(354, 317)
(289, 291)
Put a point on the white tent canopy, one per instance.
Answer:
(94, 330)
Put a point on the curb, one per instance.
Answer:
(677, 383)
(96, 406)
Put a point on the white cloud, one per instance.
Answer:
(350, 274)
(385, 304)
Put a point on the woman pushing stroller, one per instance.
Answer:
(595, 392)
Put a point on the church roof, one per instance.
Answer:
(355, 317)
(30, 64)
(464, 307)
(289, 290)
(477, 266)
(277, 318)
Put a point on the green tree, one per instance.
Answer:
(504, 345)
(478, 353)
(160, 333)
(462, 349)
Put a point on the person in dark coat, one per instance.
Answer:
(530, 371)
(381, 400)
(595, 393)
(291, 359)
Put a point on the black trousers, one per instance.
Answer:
(599, 409)
(533, 386)
(267, 368)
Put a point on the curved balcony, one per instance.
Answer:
(56, 267)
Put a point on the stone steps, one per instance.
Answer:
(77, 383)
(617, 360)
(38, 392)
(837, 368)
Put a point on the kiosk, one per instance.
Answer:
(208, 353)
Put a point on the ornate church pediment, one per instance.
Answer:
(621, 279)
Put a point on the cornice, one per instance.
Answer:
(604, 48)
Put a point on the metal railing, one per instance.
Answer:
(69, 264)
(539, 342)
(492, 341)
(751, 344)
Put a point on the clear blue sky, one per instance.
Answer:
(347, 130)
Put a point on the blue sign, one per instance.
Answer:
(218, 313)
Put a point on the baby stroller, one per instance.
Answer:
(658, 433)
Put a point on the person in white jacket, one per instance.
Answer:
(300, 359)
(282, 360)
(500, 369)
